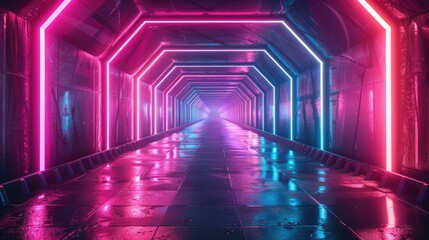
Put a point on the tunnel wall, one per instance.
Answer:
(308, 108)
(284, 116)
(269, 110)
(413, 96)
(159, 112)
(73, 102)
(15, 101)
(144, 109)
(357, 103)
(121, 106)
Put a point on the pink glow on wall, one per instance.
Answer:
(388, 73)
(42, 81)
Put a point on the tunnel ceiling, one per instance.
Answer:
(332, 25)
(100, 27)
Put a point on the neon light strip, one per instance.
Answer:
(274, 101)
(292, 104)
(137, 109)
(212, 22)
(388, 29)
(168, 89)
(249, 66)
(321, 82)
(133, 98)
(212, 50)
(42, 82)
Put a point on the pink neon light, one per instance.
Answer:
(133, 99)
(99, 110)
(388, 29)
(391, 220)
(107, 99)
(137, 109)
(42, 82)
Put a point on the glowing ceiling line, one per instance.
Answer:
(321, 82)
(214, 51)
(388, 29)
(42, 82)
(212, 22)
(170, 87)
(137, 115)
(240, 65)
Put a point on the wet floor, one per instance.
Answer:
(214, 180)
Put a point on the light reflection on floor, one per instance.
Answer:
(214, 180)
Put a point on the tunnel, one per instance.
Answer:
(215, 119)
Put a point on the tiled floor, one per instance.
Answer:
(214, 180)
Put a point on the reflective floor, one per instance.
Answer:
(215, 180)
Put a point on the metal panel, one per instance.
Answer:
(357, 102)
(284, 115)
(121, 107)
(308, 104)
(73, 97)
(15, 141)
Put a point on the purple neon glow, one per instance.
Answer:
(155, 99)
(242, 109)
(172, 86)
(107, 133)
(175, 99)
(194, 94)
(241, 65)
(42, 81)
